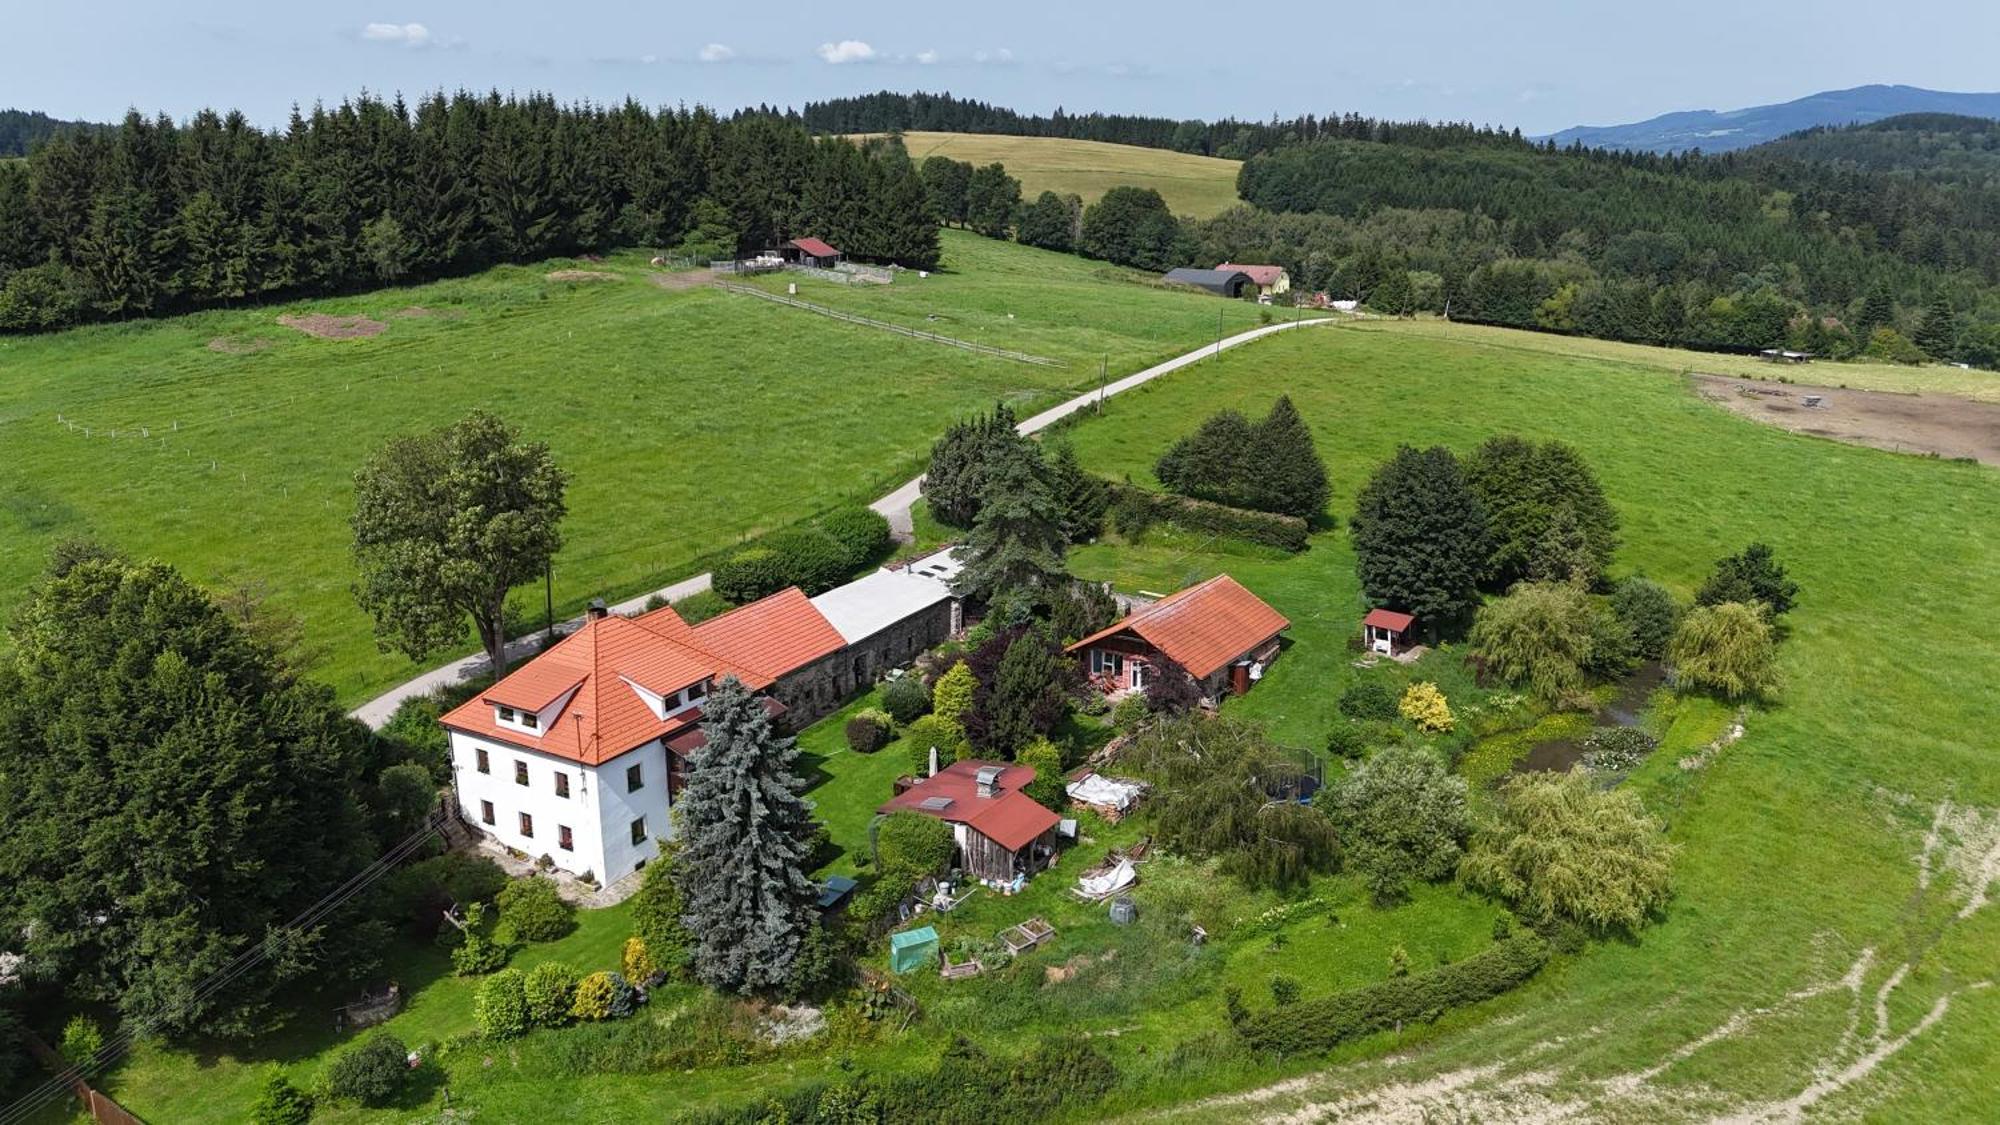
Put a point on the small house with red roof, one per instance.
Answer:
(579, 754)
(1386, 632)
(1271, 281)
(809, 252)
(1001, 832)
(1224, 635)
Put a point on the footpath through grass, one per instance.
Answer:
(687, 418)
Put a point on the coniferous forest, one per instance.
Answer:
(155, 216)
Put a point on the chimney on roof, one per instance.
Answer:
(988, 781)
(598, 611)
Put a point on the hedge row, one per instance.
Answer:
(1314, 1026)
(1134, 509)
(814, 557)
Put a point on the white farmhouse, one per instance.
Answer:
(579, 754)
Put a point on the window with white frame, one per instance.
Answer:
(1106, 662)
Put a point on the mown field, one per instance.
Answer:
(1202, 186)
(687, 418)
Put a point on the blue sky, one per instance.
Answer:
(1541, 66)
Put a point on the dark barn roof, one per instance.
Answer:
(1225, 283)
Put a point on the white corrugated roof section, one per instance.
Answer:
(870, 604)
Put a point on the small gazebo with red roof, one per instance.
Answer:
(1386, 631)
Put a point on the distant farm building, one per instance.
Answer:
(1271, 281)
(1223, 634)
(809, 252)
(1001, 832)
(1222, 283)
(1781, 355)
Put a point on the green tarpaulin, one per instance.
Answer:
(912, 949)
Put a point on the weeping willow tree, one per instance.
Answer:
(1224, 791)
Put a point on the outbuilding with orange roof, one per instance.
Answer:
(1224, 635)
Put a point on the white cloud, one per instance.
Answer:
(927, 57)
(1001, 57)
(716, 52)
(408, 34)
(846, 51)
(649, 60)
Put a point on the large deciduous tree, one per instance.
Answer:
(1401, 816)
(747, 835)
(1420, 537)
(1133, 227)
(174, 797)
(1049, 222)
(1562, 850)
(1726, 648)
(1546, 637)
(445, 524)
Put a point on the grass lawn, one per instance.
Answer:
(1799, 841)
(236, 466)
(1202, 186)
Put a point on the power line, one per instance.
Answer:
(59, 1084)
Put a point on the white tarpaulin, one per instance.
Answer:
(1109, 883)
(1109, 792)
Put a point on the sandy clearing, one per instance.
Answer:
(1945, 425)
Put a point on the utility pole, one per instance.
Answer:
(549, 596)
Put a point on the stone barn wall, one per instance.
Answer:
(821, 687)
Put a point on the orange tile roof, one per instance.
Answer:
(773, 635)
(1202, 627)
(601, 661)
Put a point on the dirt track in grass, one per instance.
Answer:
(1945, 425)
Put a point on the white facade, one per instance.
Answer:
(599, 811)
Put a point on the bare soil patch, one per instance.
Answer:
(1945, 425)
(334, 327)
(228, 345)
(681, 279)
(581, 275)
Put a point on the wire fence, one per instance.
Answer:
(913, 333)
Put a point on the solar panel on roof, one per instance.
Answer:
(935, 804)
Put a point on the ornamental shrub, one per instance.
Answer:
(862, 535)
(750, 574)
(906, 699)
(281, 1103)
(1284, 989)
(81, 1040)
(1046, 759)
(624, 997)
(809, 558)
(550, 990)
(933, 730)
(1424, 705)
(1371, 699)
(594, 995)
(869, 731)
(372, 1073)
(1649, 614)
(914, 843)
(477, 952)
(1130, 713)
(635, 961)
(532, 910)
(951, 696)
(500, 1008)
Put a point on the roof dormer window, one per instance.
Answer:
(517, 719)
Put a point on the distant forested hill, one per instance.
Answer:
(21, 128)
(1728, 130)
(1941, 147)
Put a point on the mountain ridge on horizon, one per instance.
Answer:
(1715, 131)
